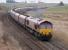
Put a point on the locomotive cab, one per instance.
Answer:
(45, 30)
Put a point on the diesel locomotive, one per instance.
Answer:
(39, 27)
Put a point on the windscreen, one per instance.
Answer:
(46, 26)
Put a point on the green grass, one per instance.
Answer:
(58, 9)
(51, 9)
(57, 13)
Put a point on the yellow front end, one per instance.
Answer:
(45, 31)
(45, 34)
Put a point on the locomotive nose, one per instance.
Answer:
(46, 34)
(45, 31)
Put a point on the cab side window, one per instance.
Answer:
(27, 22)
(35, 26)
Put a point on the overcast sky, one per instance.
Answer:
(46, 1)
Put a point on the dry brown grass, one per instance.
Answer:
(60, 22)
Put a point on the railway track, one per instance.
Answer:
(30, 42)
(57, 43)
(52, 45)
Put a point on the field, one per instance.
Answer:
(19, 39)
(59, 17)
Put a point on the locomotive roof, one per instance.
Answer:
(36, 20)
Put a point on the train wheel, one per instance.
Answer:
(49, 36)
(35, 34)
(45, 38)
(40, 37)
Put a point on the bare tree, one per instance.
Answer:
(61, 3)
